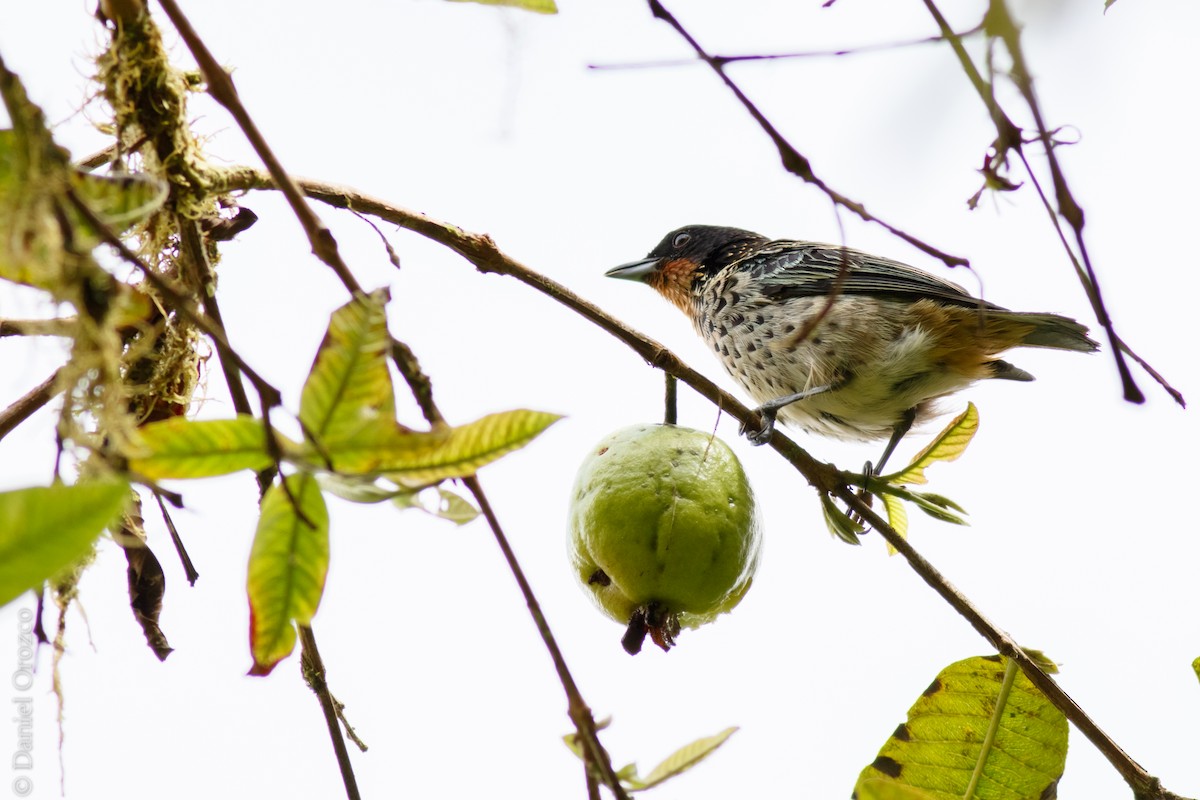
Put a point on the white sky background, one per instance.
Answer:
(1083, 541)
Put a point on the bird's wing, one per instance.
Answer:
(789, 269)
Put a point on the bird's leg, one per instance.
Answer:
(903, 426)
(770, 409)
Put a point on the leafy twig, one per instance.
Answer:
(577, 709)
(1000, 24)
(324, 246)
(1144, 785)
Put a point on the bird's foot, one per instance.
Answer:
(761, 435)
(869, 471)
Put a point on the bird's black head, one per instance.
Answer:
(709, 247)
(686, 257)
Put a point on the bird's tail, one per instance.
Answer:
(1054, 331)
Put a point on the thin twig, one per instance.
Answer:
(314, 675)
(793, 161)
(221, 88)
(999, 23)
(725, 60)
(59, 326)
(189, 569)
(577, 709)
(192, 252)
(25, 406)
(269, 396)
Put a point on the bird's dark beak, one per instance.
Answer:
(638, 270)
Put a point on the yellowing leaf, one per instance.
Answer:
(538, 6)
(471, 446)
(683, 759)
(181, 448)
(288, 562)
(881, 789)
(677, 763)
(454, 507)
(45, 529)
(412, 459)
(946, 446)
(349, 385)
(897, 518)
(120, 201)
(981, 730)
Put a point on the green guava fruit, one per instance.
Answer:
(664, 531)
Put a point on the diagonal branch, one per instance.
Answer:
(793, 161)
(221, 87)
(24, 407)
(482, 252)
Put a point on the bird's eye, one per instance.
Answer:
(680, 240)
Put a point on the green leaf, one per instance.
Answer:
(357, 489)
(683, 759)
(1196, 667)
(1043, 661)
(447, 505)
(40, 229)
(349, 386)
(46, 529)
(839, 523)
(935, 505)
(677, 763)
(946, 446)
(120, 201)
(453, 507)
(538, 6)
(981, 730)
(414, 459)
(181, 448)
(288, 562)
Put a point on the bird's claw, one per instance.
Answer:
(763, 434)
(869, 471)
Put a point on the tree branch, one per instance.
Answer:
(793, 161)
(482, 252)
(221, 87)
(24, 407)
(726, 60)
(314, 675)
